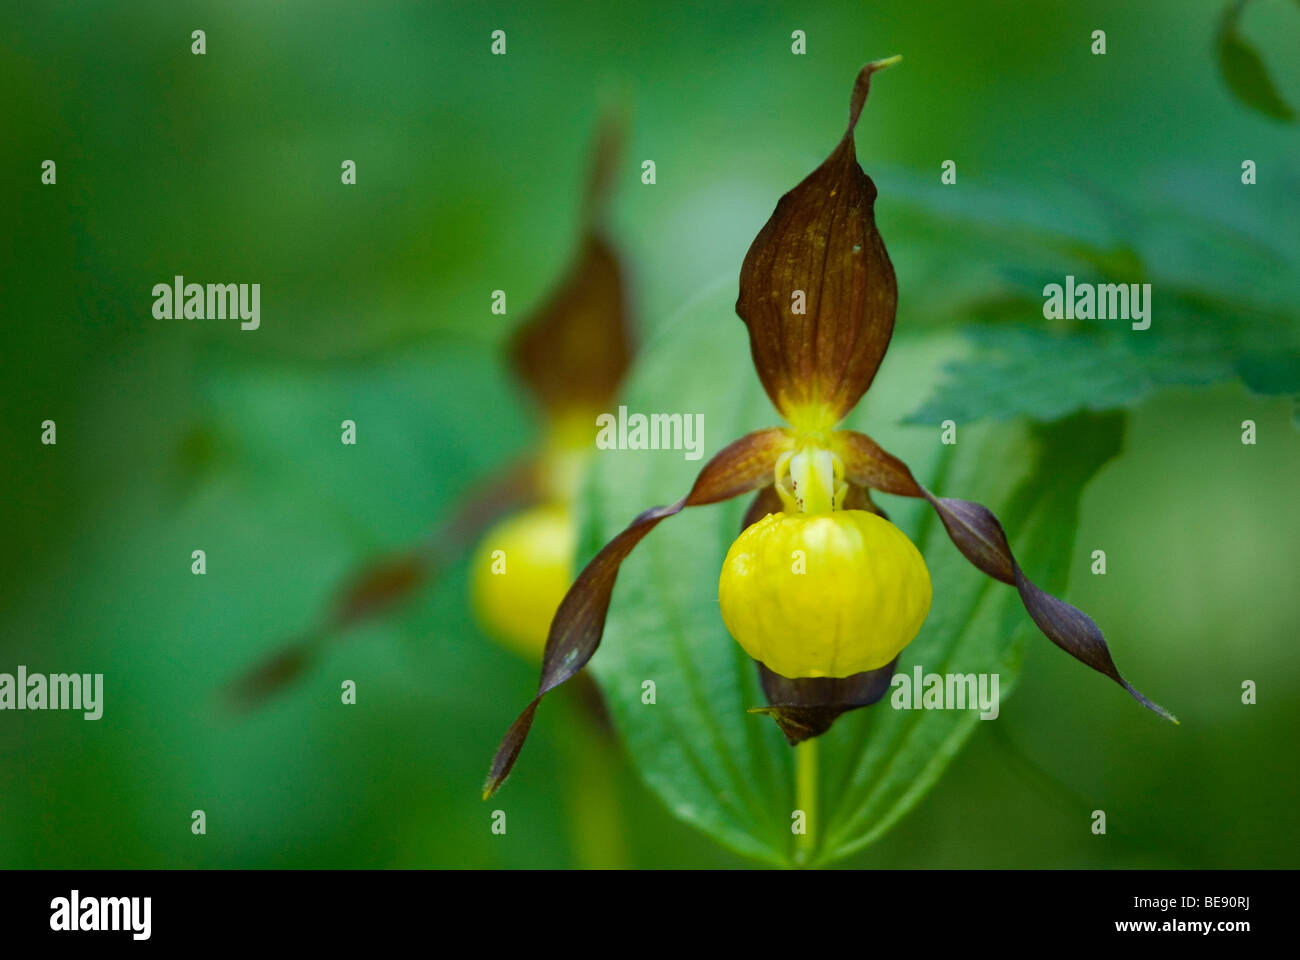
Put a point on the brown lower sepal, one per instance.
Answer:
(806, 707)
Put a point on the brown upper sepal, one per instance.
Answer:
(817, 290)
(573, 352)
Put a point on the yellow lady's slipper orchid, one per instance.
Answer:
(826, 640)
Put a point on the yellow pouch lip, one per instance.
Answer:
(829, 594)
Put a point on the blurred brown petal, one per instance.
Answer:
(606, 155)
(821, 243)
(512, 487)
(379, 587)
(573, 351)
(744, 465)
(271, 675)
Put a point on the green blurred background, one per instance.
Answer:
(177, 435)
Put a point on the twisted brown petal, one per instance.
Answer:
(980, 537)
(745, 465)
(817, 290)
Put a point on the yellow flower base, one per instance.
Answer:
(824, 595)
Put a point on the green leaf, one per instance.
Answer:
(1271, 373)
(728, 772)
(1191, 232)
(1244, 71)
(1015, 370)
(1222, 264)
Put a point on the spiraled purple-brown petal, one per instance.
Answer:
(745, 465)
(981, 539)
(979, 536)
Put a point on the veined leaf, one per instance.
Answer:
(1221, 307)
(728, 772)
(1016, 370)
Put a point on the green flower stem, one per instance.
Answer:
(805, 799)
(597, 830)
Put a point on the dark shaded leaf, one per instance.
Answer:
(1017, 370)
(575, 633)
(1270, 374)
(822, 241)
(1223, 265)
(1244, 71)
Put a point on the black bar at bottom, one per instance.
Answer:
(335, 908)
